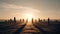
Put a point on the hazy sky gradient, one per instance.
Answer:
(39, 8)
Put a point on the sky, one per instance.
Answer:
(38, 8)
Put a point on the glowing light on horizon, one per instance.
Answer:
(29, 17)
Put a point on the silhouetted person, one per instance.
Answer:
(5, 20)
(48, 21)
(32, 20)
(39, 20)
(10, 20)
(35, 20)
(44, 20)
(14, 19)
(56, 21)
(20, 20)
(23, 20)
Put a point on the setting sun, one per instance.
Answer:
(29, 16)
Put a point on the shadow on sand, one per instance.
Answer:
(40, 29)
(19, 30)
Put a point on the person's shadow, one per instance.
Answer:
(19, 30)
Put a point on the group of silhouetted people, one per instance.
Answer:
(35, 23)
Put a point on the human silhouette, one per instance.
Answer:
(48, 21)
(39, 20)
(35, 20)
(14, 19)
(32, 20)
(20, 20)
(23, 20)
(10, 20)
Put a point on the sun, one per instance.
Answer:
(29, 16)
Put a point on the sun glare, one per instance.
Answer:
(29, 16)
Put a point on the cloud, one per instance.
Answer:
(12, 6)
(19, 7)
(12, 9)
